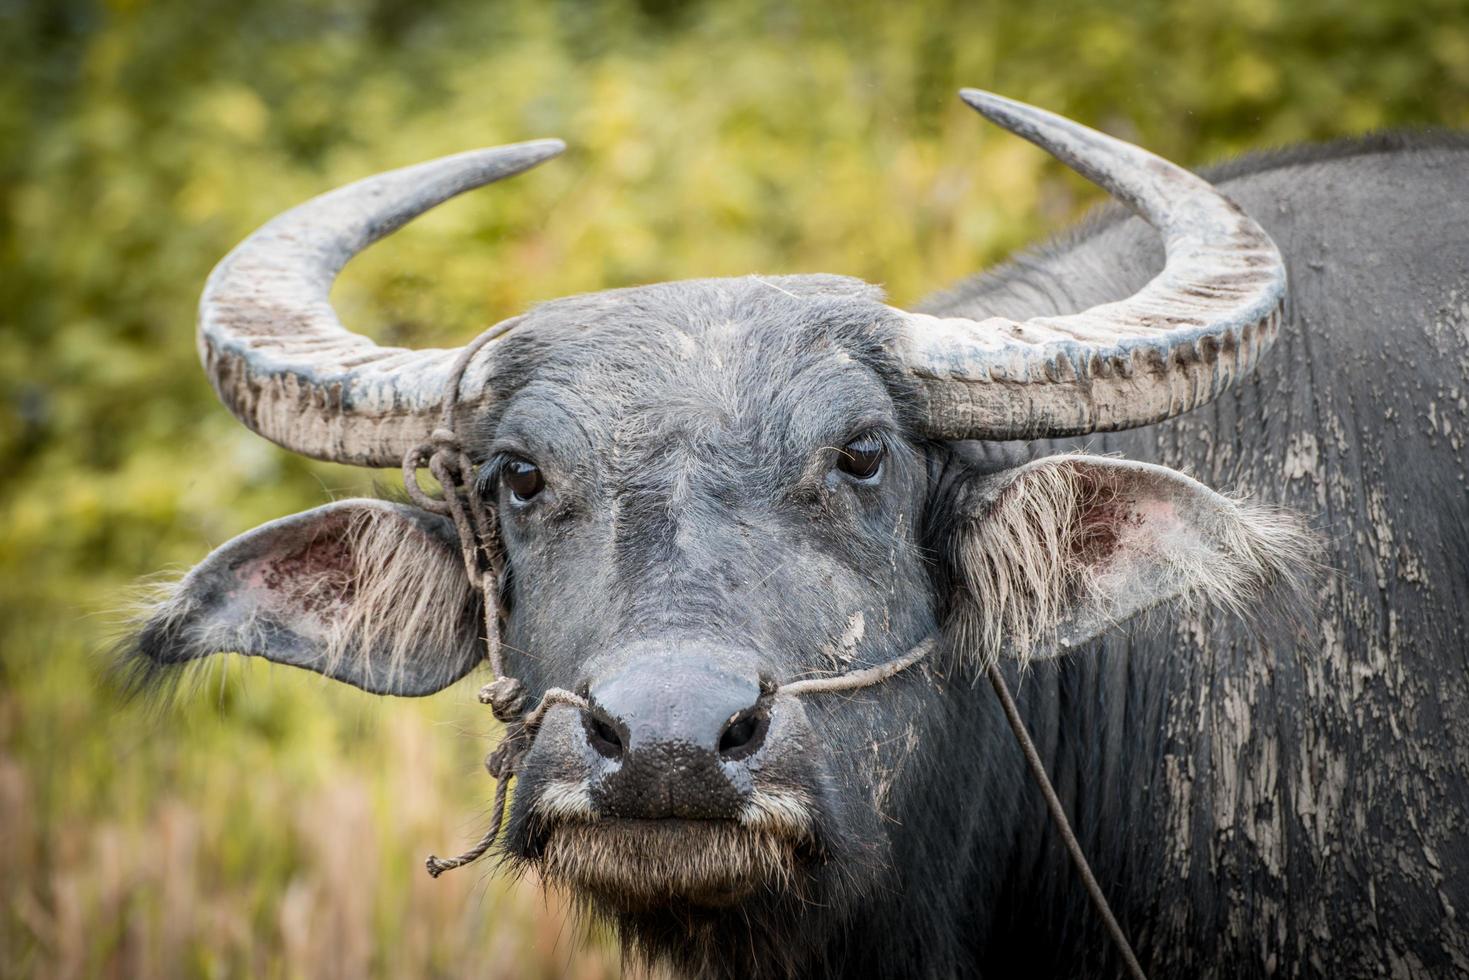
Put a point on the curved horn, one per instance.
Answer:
(1175, 344)
(278, 356)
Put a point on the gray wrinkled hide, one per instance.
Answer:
(1296, 805)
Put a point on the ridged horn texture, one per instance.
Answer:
(280, 359)
(1175, 344)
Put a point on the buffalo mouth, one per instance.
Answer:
(632, 865)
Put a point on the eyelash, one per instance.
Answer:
(487, 480)
(492, 474)
(878, 452)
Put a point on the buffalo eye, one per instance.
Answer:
(523, 478)
(861, 458)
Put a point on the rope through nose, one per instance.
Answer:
(867, 676)
(506, 697)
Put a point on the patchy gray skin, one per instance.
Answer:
(1292, 804)
(1257, 801)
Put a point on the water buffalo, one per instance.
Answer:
(703, 490)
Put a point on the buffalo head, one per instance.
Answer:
(705, 489)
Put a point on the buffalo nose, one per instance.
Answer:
(674, 736)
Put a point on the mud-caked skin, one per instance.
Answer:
(1260, 795)
(1292, 803)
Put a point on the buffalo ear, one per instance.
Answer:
(364, 591)
(1053, 553)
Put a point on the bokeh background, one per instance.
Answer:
(271, 823)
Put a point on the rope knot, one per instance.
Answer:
(506, 698)
(505, 758)
(416, 457)
(445, 439)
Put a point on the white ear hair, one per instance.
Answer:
(364, 591)
(1059, 550)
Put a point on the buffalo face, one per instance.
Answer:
(743, 510)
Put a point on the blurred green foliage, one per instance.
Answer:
(271, 823)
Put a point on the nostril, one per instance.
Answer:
(737, 735)
(742, 736)
(602, 735)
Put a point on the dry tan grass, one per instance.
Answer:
(163, 891)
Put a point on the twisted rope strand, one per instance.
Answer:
(1058, 814)
(853, 679)
(437, 865)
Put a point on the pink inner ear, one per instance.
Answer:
(1150, 521)
(1155, 512)
(316, 577)
(1116, 524)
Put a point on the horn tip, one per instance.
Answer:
(498, 162)
(985, 102)
(1017, 117)
(533, 152)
